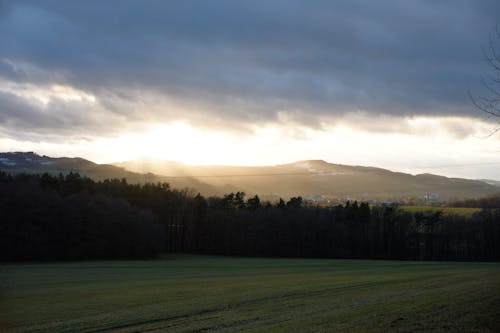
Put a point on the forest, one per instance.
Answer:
(70, 217)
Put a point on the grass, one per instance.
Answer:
(227, 294)
(464, 211)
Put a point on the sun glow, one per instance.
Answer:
(415, 151)
(275, 144)
(176, 141)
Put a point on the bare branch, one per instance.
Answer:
(483, 108)
(489, 104)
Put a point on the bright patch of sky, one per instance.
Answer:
(381, 83)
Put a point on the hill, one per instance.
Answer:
(320, 180)
(29, 162)
(315, 180)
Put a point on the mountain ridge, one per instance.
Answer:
(315, 179)
(30, 162)
(321, 178)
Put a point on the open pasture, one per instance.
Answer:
(228, 294)
(463, 211)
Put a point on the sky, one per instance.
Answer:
(379, 83)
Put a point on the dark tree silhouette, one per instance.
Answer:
(489, 102)
(253, 203)
(295, 202)
(45, 217)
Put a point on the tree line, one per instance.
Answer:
(67, 217)
(490, 201)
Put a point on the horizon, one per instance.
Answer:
(159, 160)
(227, 83)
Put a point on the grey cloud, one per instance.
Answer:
(25, 119)
(246, 61)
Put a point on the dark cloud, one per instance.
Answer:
(26, 118)
(247, 61)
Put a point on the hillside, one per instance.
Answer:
(314, 179)
(319, 179)
(29, 162)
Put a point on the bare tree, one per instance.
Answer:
(489, 102)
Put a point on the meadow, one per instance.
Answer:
(461, 211)
(184, 293)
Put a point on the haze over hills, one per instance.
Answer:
(319, 179)
(315, 179)
(30, 162)
(491, 182)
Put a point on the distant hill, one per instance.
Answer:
(314, 179)
(29, 162)
(491, 182)
(319, 179)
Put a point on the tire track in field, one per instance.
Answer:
(226, 307)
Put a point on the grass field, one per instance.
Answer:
(203, 294)
(464, 211)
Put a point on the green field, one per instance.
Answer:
(228, 294)
(464, 211)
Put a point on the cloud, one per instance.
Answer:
(30, 112)
(240, 62)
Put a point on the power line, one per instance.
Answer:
(240, 175)
(325, 173)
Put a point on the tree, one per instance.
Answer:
(253, 203)
(489, 103)
(294, 202)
